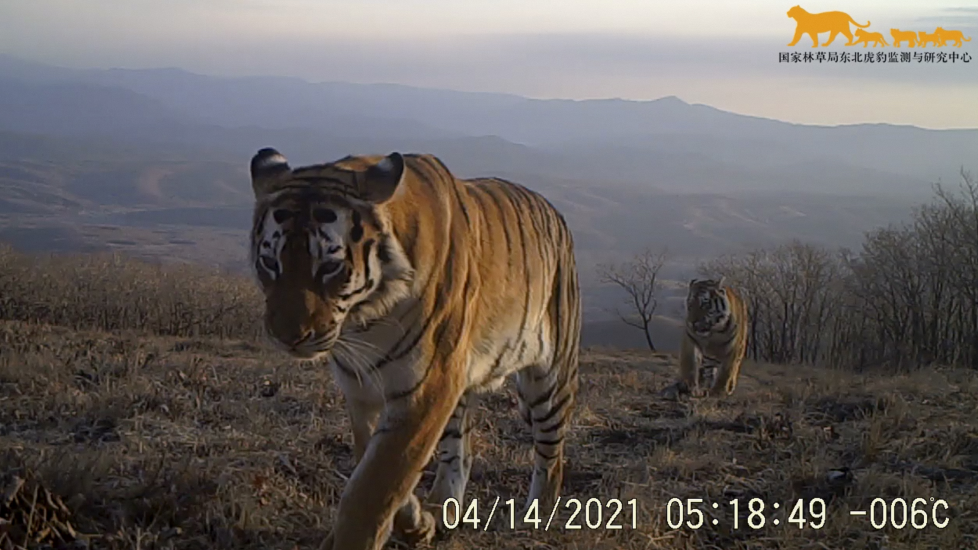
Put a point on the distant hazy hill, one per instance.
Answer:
(154, 163)
(76, 108)
(128, 185)
(665, 143)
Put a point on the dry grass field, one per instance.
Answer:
(129, 441)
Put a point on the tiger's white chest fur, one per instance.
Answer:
(380, 359)
(707, 349)
(383, 359)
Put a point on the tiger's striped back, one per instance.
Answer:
(421, 290)
(715, 329)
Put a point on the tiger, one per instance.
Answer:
(957, 38)
(420, 291)
(866, 37)
(812, 24)
(900, 36)
(934, 37)
(715, 333)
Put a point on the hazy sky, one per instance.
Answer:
(719, 52)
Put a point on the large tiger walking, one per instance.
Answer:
(715, 330)
(422, 290)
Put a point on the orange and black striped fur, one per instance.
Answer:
(715, 330)
(421, 290)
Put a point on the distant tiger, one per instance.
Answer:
(715, 331)
(421, 290)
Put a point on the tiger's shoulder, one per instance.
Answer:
(735, 297)
(492, 196)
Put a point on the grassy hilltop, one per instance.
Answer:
(188, 433)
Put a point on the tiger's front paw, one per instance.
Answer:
(719, 391)
(442, 516)
(422, 532)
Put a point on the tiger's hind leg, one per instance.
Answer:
(845, 32)
(454, 455)
(546, 401)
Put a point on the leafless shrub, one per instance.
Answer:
(908, 298)
(638, 277)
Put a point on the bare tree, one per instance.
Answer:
(639, 278)
(907, 298)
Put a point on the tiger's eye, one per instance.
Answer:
(281, 216)
(323, 215)
(328, 267)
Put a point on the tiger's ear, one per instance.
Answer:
(266, 167)
(381, 180)
(720, 280)
(692, 282)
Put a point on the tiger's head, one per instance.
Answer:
(322, 247)
(707, 307)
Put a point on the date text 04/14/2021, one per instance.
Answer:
(590, 513)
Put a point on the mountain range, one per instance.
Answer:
(154, 162)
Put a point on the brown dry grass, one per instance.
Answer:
(150, 442)
(116, 292)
